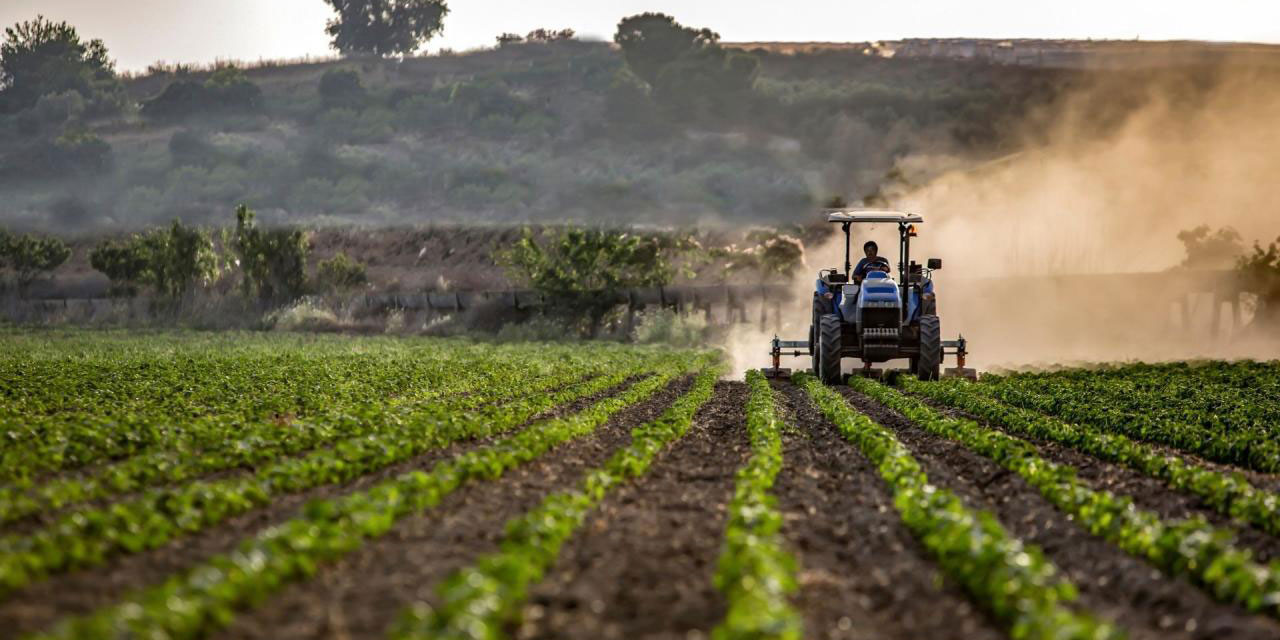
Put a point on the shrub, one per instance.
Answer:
(272, 261)
(666, 326)
(228, 89)
(342, 88)
(304, 315)
(340, 272)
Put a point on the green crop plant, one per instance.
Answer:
(1230, 494)
(1003, 575)
(480, 600)
(205, 598)
(1189, 548)
(755, 572)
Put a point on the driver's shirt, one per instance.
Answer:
(860, 271)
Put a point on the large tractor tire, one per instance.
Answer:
(813, 344)
(929, 363)
(829, 343)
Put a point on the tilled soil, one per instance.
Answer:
(1112, 583)
(79, 592)
(1147, 493)
(643, 565)
(361, 595)
(862, 573)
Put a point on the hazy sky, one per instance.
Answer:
(139, 32)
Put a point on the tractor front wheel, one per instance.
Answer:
(928, 364)
(829, 343)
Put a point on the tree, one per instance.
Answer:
(1211, 250)
(169, 260)
(40, 57)
(585, 271)
(1259, 273)
(651, 41)
(691, 75)
(29, 256)
(273, 261)
(384, 27)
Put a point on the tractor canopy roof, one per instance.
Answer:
(871, 215)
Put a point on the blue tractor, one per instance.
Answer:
(866, 314)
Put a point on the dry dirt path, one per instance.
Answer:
(1112, 583)
(643, 564)
(79, 592)
(361, 595)
(863, 574)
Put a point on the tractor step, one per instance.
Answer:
(961, 372)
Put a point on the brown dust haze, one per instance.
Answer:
(1040, 247)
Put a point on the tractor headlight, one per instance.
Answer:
(928, 297)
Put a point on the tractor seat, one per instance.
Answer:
(835, 278)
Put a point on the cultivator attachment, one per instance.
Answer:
(958, 348)
(776, 347)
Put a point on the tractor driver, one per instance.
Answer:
(872, 262)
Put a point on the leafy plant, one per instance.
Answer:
(479, 601)
(272, 261)
(1184, 548)
(755, 572)
(1010, 579)
(340, 272)
(586, 270)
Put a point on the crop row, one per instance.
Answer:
(480, 600)
(86, 537)
(241, 375)
(1190, 548)
(1221, 423)
(755, 572)
(1011, 580)
(206, 598)
(246, 446)
(41, 444)
(1230, 494)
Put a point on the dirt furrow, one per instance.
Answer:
(1112, 583)
(863, 574)
(79, 592)
(361, 595)
(1148, 493)
(643, 564)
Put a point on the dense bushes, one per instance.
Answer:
(226, 90)
(169, 260)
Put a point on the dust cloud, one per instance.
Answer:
(1044, 249)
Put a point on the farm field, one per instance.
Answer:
(249, 485)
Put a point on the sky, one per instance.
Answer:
(140, 32)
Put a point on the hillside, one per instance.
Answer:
(525, 132)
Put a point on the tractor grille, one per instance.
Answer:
(880, 333)
(880, 319)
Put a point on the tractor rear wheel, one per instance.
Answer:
(929, 362)
(813, 344)
(829, 342)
